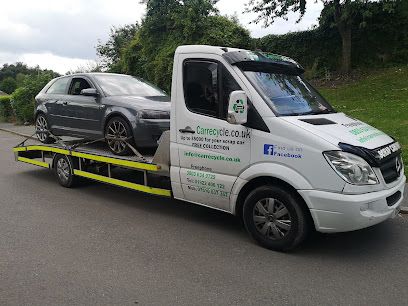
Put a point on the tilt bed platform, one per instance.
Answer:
(72, 158)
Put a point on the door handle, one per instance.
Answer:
(187, 129)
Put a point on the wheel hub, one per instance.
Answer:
(116, 134)
(63, 169)
(41, 128)
(272, 219)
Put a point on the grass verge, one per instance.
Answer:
(379, 99)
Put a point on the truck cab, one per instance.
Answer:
(250, 136)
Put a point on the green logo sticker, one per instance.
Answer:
(239, 107)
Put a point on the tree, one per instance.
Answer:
(8, 85)
(345, 13)
(170, 23)
(119, 38)
(89, 66)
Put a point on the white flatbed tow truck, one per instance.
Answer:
(249, 136)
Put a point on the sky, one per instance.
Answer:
(62, 35)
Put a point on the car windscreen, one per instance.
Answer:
(288, 94)
(125, 85)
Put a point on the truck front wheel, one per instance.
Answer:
(275, 217)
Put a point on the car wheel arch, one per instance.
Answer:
(40, 109)
(114, 114)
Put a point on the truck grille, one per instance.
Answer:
(391, 169)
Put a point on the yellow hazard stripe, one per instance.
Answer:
(138, 187)
(41, 148)
(110, 160)
(116, 161)
(33, 162)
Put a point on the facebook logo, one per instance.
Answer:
(268, 149)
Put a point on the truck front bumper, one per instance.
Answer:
(336, 212)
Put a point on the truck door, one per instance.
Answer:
(212, 152)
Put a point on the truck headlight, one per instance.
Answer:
(352, 168)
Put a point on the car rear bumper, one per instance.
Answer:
(335, 212)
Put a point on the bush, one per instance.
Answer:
(6, 112)
(382, 41)
(23, 98)
(8, 85)
(23, 104)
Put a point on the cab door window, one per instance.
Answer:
(77, 85)
(207, 86)
(201, 87)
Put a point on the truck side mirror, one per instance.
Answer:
(237, 107)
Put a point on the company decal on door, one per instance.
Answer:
(221, 139)
(282, 151)
(206, 182)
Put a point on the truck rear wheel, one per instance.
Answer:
(64, 170)
(275, 218)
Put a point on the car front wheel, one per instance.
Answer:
(118, 135)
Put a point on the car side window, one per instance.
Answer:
(58, 87)
(207, 87)
(77, 85)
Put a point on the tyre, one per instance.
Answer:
(117, 133)
(275, 217)
(41, 128)
(64, 170)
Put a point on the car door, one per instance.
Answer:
(53, 101)
(212, 152)
(82, 113)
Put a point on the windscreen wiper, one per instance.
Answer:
(324, 111)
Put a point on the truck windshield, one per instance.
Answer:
(125, 85)
(289, 95)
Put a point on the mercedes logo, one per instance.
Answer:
(398, 165)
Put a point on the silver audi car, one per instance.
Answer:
(120, 108)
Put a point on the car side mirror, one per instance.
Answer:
(91, 92)
(237, 107)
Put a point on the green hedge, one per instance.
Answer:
(319, 49)
(6, 111)
(23, 101)
(381, 42)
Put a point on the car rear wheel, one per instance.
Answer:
(275, 217)
(118, 135)
(41, 129)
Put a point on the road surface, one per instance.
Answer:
(102, 245)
